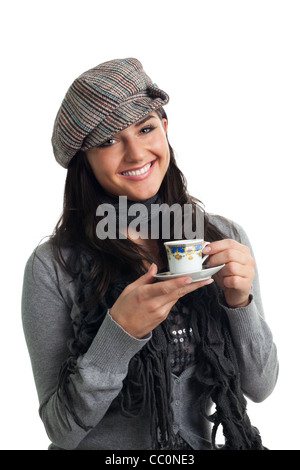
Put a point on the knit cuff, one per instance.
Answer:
(245, 322)
(113, 347)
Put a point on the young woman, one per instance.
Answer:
(120, 360)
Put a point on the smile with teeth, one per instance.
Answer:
(140, 171)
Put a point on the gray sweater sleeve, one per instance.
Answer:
(46, 315)
(253, 339)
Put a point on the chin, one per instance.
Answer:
(145, 196)
(142, 195)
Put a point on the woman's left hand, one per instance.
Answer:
(236, 278)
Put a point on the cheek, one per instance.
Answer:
(99, 167)
(162, 148)
(97, 170)
(164, 163)
(166, 155)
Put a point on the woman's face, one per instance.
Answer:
(134, 162)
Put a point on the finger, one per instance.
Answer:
(221, 245)
(237, 269)
(165, 287)
(167, 305)
(228, 256)
(172, 295)
(237, 283)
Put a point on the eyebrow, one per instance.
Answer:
(142, 121)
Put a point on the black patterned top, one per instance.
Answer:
(183, 345)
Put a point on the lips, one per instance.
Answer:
(139, 173)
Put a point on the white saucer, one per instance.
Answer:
(202, 275)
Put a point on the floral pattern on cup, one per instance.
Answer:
(188, 252)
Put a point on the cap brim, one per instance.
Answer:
(124, 116)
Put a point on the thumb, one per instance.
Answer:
(152, 270)
(146, 278)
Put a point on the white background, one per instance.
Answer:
(232, 71)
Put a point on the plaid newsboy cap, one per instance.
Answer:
(102, 102)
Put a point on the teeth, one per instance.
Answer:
(137, 172)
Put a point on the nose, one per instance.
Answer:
(133, 150)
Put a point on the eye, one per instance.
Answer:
(147, 129)
(107, 143)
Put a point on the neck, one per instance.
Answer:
(143, 213)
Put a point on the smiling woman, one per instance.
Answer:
(117, 357)
(135, 161)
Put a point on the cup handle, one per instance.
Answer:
(204, 258)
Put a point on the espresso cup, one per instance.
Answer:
(185, 256)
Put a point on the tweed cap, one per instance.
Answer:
(100, 103)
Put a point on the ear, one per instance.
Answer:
(165, 125)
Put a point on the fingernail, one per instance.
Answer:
(150, 267)
(206, 249)
(208, 281)
(188, 281)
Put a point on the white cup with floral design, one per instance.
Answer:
(185, 256)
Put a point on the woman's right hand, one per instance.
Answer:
(143, 305)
